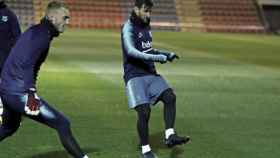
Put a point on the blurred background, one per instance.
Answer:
(250, 16)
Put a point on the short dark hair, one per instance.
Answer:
(54, 5)
(148, 3)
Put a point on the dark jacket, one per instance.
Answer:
(9, 32)
(22, 66)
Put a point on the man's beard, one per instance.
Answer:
(139, 21)
(147, 22)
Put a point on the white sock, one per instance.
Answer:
(169, 132)
(85, 156)
(146, 148)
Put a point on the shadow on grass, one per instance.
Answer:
(157, 143)
(60, 154)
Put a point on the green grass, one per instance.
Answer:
(227, 87)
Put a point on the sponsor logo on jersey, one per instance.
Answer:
(146, 45)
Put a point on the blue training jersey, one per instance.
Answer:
(9, 28)
(138, 53)
(22, 65)
(9, 31)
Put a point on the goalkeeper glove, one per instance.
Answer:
(33, 101)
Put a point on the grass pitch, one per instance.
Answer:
(227, 88)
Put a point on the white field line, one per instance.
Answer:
(231, 70)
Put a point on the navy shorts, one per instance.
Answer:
(145, 90)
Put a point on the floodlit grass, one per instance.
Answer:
(227, 90)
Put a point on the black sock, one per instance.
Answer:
(143, 112)
(70, 143)
(169, 100)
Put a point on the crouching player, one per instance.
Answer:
(17, 88)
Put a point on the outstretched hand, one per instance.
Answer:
(172, 56)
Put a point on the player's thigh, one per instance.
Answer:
(136, 90)
(156, 87)
(13, 102)
(10, 118)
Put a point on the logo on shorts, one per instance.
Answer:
(4, 18)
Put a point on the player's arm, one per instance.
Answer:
(39, 46)
(170, 55)
(133, 52)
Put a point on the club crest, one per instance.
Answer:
(140, 35)
(4, 18)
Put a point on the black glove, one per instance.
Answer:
(172, 56)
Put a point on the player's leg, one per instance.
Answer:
(143, 112)
(10, 123)
(54, 119)
(168, 98)
(138, 100)
(160, 88)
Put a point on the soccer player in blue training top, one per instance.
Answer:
(18, 91)
(144, 86)
(9, 33)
